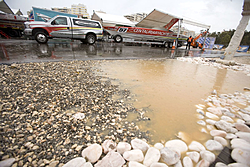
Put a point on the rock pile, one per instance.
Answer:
(227, 119)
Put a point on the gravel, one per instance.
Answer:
(40, 104)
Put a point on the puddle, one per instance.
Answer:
(169, 90)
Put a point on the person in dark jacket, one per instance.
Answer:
(189, 41)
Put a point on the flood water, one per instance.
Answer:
(165, 88)
(169, 90)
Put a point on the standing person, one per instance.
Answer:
(189, 41)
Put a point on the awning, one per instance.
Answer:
(111, 19)
(5, 8)
(185, 21)
(158, 19)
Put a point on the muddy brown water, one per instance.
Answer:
(169, 90)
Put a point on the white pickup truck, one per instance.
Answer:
(65, 27)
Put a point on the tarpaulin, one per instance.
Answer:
(217, 46)
(243, 48)
(209, 43)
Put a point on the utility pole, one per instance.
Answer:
(238, 34)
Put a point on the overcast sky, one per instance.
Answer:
(219, 14)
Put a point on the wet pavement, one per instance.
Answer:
(59, 49)
(163, 88)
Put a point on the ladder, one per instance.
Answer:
(4, 34)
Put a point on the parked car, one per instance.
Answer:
(65, 27)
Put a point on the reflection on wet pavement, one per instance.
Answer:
(30, 51)
(58, 50)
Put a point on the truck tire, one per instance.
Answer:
(13, 33)
(165, 44)
(118, 38)
(41, 37)
(91, 39)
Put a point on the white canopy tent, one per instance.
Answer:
(111, 20)
(159, 19)
(193, 23)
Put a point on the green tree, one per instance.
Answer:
(213, 34)
(224, 37)
(246, 38)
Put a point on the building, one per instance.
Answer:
(17, 12)
(136, 17)
(63, 10)
(80, 10)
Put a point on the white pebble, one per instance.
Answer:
(187, 162)
(158, 146)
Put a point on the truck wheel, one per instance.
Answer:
(165, 44)
(13, 33)
(91, 39)
(41, 37)
(179, 45)
(118, 38)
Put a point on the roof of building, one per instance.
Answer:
(17, 11)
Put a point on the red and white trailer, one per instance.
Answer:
(144, 35)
